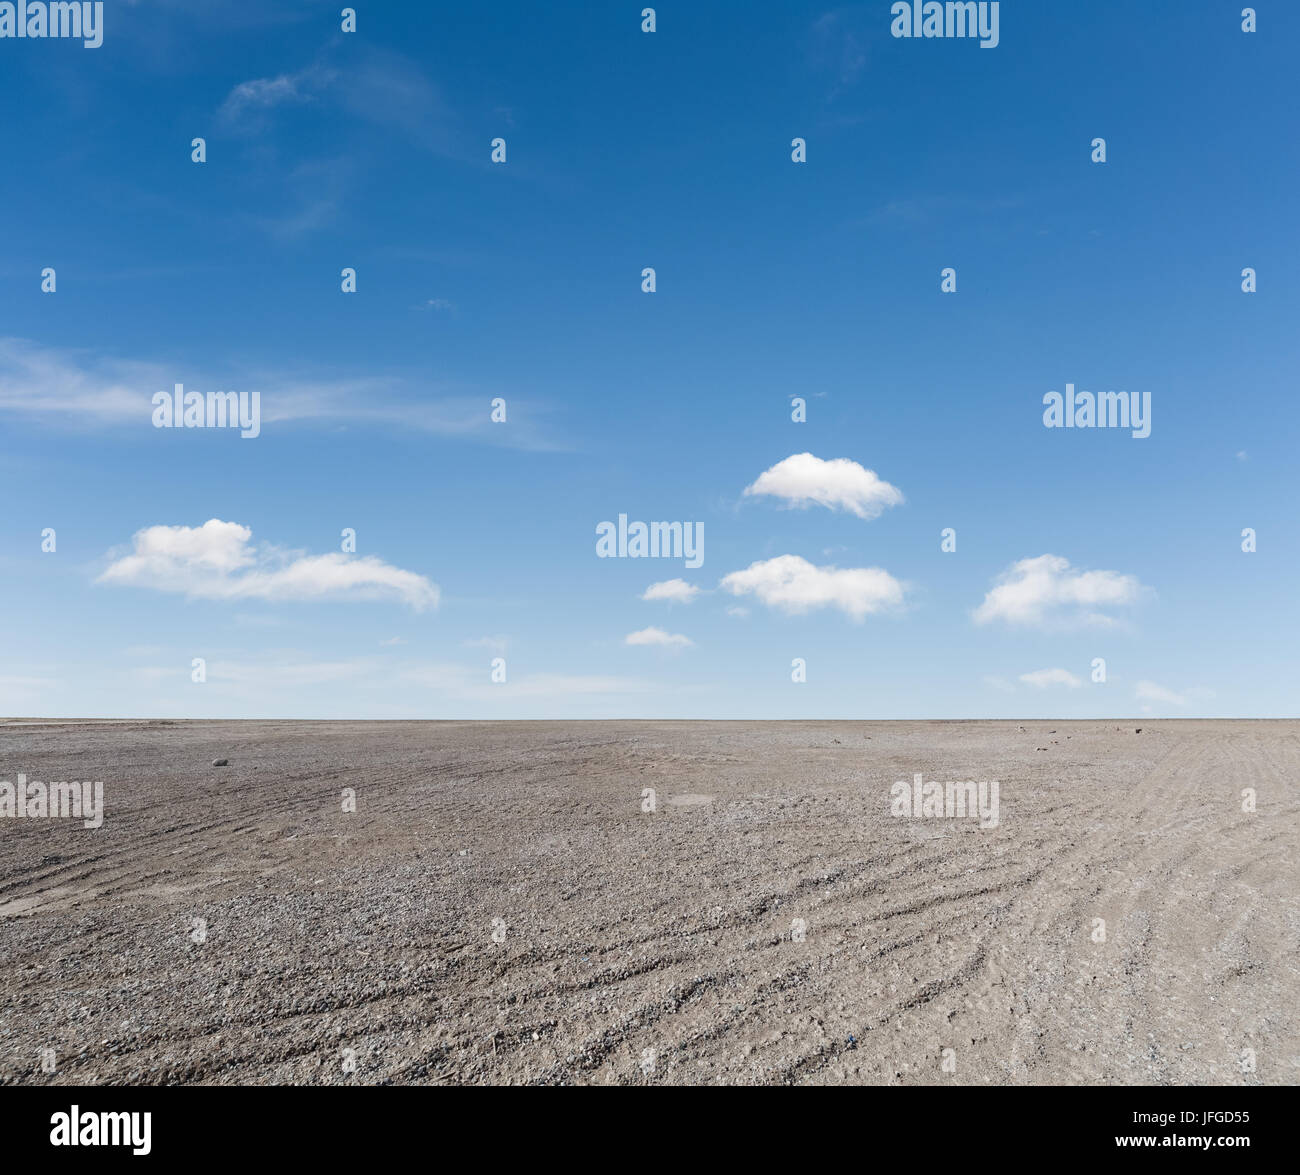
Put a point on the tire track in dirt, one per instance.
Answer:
(670, 932)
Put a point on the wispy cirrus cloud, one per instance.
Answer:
(837, 47)
(84, 390)
(1152, 691)
(367, 98)
(258, 95)
(287, 678)
(494, 644)
(1043, 678)
(379, 86)
(463, 683)
(73, 386)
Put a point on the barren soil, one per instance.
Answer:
(652, 947)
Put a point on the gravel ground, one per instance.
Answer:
(500, 909)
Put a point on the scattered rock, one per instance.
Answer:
(221, 762)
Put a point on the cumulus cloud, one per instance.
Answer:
(1047, 589)
(657, 636)
(676, 591)
(804, 480)
(794, 585)
(1042, 678)
(218, 561)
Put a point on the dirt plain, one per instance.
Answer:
(500, 909)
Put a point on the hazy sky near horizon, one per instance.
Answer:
(775, 282)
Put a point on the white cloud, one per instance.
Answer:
(794, 585)
(841, 484)
(494, 644)
(157, 673)
(676, 591)
(267, 678)
(263, 675)
(257, 620)
(1150, 691)
(217, 561)
(463, 683)
(1042, 678)
(1046, 588)
(566, 685)
(288, 674)
(43, 381)
(80, 390)
(261, 94)
(378, 86)
(14, 683)
(657, 636)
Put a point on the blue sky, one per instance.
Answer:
(774, 279)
